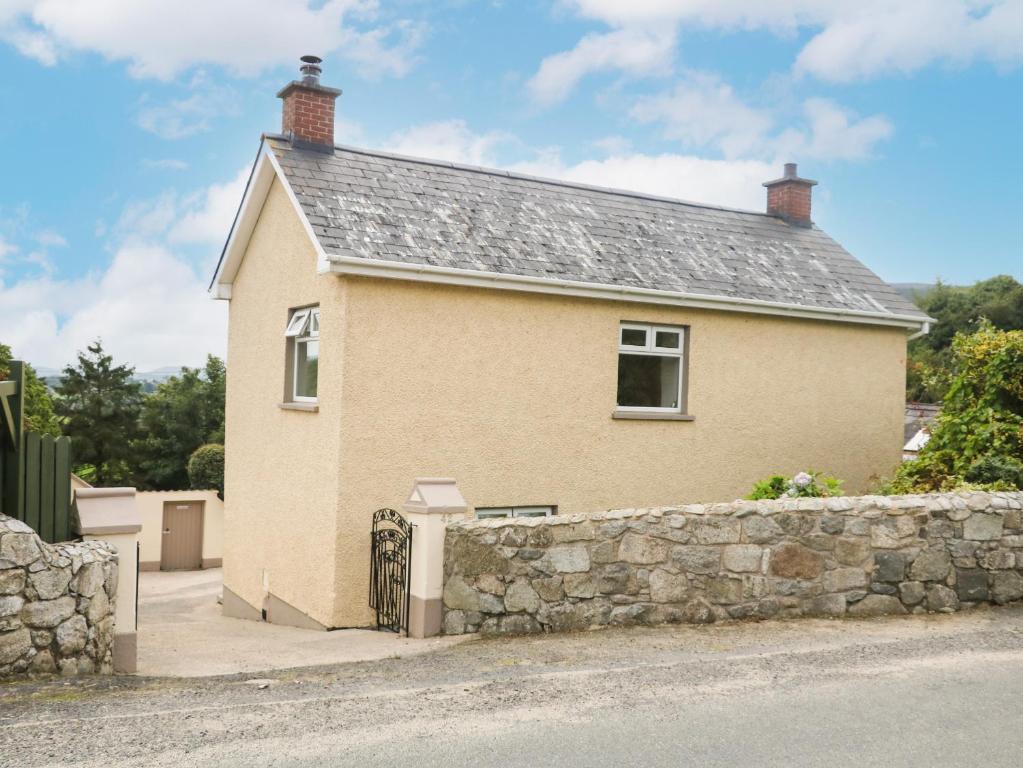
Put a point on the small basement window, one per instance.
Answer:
(651, 368)
(303, 337)
(482, 513)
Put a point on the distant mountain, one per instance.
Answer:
(148, 379)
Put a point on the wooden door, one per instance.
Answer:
(182, 536)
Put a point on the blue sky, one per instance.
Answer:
(129, 127)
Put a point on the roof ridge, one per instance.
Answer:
(538, 179)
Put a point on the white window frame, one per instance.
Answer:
(650, 349)
(497, 513)
(303, 327)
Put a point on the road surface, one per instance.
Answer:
(906, 691)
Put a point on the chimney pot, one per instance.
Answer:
(789, 197)
(308, 113)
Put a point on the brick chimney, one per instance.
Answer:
(789, 197)
(308, 114)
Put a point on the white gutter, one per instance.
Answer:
(353, 265)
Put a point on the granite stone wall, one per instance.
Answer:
(56, 604)
(863, 556)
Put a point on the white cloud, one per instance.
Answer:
(6, 249)
(162, 38)
(633, 51)
(450, 140)
(207, 217)
(50, 239)
(704, 112)
(180, 118)
(849, 39)
(149, 307)
(730, 183)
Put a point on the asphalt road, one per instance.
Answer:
(908, 691)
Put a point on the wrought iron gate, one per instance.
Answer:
(390, 570)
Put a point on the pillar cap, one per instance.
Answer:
(435, 495)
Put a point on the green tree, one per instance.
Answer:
(39, 413)
(206, 468)
(978, 437)
(183, 413)
(100, 404)
(958, 310)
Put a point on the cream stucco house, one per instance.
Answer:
(555, 347)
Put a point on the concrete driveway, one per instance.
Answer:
(183, 634)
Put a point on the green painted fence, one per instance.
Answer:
(35, 469)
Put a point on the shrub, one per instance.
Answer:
(801, 485)
(206, 468)
(978, 437)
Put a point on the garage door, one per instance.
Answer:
(182, 536)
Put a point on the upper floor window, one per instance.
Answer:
(303, 335)
(650, 368)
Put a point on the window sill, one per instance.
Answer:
(651, 416)
(307, 407)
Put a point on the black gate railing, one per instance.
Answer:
(390, 570)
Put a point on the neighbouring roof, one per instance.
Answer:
(919, 416)
(378, 207)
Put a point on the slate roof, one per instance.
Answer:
(374, 205)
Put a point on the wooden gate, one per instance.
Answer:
(182, 536)
(35, 469)
(390, 570)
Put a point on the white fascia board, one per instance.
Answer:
(353, 265)
(265, 170)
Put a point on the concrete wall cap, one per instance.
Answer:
(99, 493)
(435, 495)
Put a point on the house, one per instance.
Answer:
(917, 429)
(556, 347)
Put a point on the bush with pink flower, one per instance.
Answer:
(809, 484)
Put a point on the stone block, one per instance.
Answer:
(51, 583)
(876, 605)
(11, 582)
(696, 559)
(460, 596)
(19, 548)
(997, 560)
(1006, 586)
(571, 558)
(549, 589)
(521, 597)
(48, 613)
(698, 611)
(580, 585)
(668, 587)
(971, 584)
(912, 592)
(11, 605)
(642, 550)
(490, 583)
(760, 530)
(617, 578)
(982, 527)
(942, 599)
(843, 579)
(851, 551)
(724, 590)
(833, 524)
(14, 645)
(716, 530)
(892, 532)
(825, 605)
(604, 552)
(931, 565)
(454, 623)
(518, 624)
(91, 577)
(742, 558)
(793, 561)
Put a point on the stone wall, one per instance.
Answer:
(56, 603)
(863, 556)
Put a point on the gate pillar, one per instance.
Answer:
(433, 503)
